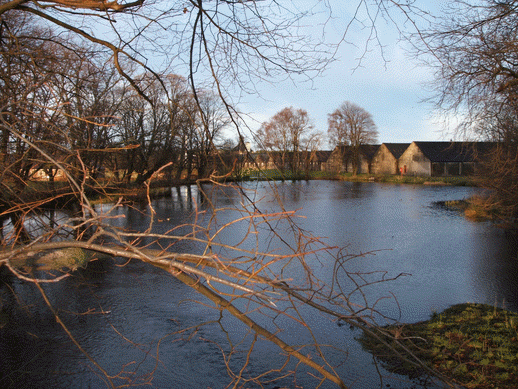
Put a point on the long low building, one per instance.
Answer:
(417, 159)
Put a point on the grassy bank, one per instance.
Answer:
(274, 174)
(278, 175)
(479, 208)
(415, 180)
(476, 345)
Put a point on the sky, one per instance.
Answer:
(393, 90)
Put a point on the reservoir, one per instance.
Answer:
(141, 327)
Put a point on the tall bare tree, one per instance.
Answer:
(310, 145)
(212, 119)
(89, 89)
(352, 126)
(147, 128)
(284, 133)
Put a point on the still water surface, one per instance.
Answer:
(136, 321)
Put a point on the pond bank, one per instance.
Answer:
(413, 180)
(481, 208)
(476, 345)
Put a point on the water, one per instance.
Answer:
(142, 326)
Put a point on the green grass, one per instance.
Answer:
(478, 208)
(415, 180)
(476, 345)
(67, 259)
(275, 174)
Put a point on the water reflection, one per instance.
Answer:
(185, 197)
(38, 224)
(495, 269)
(439, 248)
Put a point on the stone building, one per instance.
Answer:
(442, 158)
(416, 158)
(386, 159)
(258, 161)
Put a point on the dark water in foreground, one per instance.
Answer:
(143, 326)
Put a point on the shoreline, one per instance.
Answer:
(475, 345)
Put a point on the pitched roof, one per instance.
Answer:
(396, 149)
(323, 155)
(369, 150)
(453, 151)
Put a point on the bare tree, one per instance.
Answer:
(182, 113)
(352, 126)
(310, 145)
(284, 134)
(148, 126)
(34, 120)
(91, 90)
(212, 119)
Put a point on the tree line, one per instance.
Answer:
(64, 100)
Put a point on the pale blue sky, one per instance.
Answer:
(392, 90)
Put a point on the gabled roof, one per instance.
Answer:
(323, 155)
(396, 149)
(369, 150)
(453, 151)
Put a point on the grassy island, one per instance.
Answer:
(476, 345)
